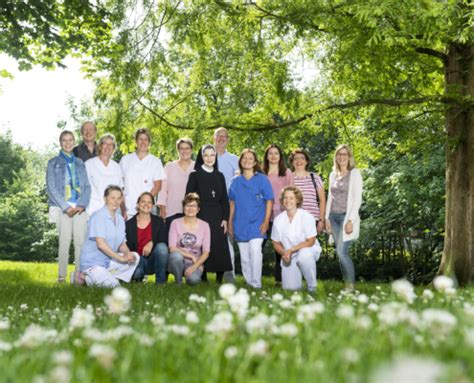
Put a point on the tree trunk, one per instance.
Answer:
(458, 255)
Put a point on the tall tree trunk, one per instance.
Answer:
(458, 255)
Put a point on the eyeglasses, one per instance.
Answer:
(342, 154)
(193, 206)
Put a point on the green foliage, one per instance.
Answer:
(11, 159)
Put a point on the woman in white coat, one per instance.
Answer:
(342, 212)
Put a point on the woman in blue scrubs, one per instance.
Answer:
(251, 201)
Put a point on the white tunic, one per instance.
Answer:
(292, 233)
(139, 176)
(101, 176)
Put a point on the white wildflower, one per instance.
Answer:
(192, 317)
(81, 318)
(258, 348)
(409, 369)
(308, 312)
(103, 354)
(468, 309)
(35, 336)
(145, 340)
(393, 313)
(258, 324)
(124, 319)
(60, 374)
(23, 307)
(443, 283)
(5, 346)
(227, 290)
(438, 322)
(345, 311)
(118, 333)
(231, 352)
(157, 320)
(286, 304)
(363, 322)
(277, 297)
(468, 336)
(296, 298)
(288, 329)
(63, 357)
(239, 303)
(119, 301)
(363, 299)
(4, 324)
(374, 307)
(404, 290)
(427, 295)
(197, 298)
(179, 329)
(350, 355)
(221, 323)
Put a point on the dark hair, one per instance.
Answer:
(65, 133)
(191, 197)
(109, 189)
(296, 191)
(144, 194)
(256, 167)
(281, 162)
(299, 151)
(144, 131)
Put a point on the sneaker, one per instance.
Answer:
(77, 278)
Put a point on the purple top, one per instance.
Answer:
(278, 183)
(196, 241)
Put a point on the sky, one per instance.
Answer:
(34, 101)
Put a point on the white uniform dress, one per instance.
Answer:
(139, 176)
(303, 263)
(101, 176)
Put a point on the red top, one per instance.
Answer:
(144, 236)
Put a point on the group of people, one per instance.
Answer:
(137, 218)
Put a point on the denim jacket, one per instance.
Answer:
(56, 180)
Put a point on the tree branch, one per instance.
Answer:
(262, 127)
(432, 52)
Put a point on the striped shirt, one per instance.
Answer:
(310, 203)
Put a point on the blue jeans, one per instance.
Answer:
(155, 263)
(342, 248)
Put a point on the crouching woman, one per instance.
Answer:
(294, 238)
(189, 242)
(105, 257)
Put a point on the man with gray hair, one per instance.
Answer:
(87, 149)
(228, 164)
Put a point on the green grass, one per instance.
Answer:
(153, 341)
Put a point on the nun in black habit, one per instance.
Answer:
(210, 185)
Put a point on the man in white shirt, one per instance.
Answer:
(228, 164)
(141, 171)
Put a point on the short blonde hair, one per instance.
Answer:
(351, 164)
(106, 136)
(296, 191)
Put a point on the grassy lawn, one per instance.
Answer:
(145, 333)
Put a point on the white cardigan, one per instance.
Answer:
(354, 200)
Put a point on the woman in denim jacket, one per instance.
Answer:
(69, 194)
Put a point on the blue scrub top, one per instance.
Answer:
(250, 198)
(228, 164)
(101, 225)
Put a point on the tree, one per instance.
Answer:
(222, 63)
(45, 32)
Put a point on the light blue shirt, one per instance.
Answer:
(228, 164)
(101, 225)
(250, 199)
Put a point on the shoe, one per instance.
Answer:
(77, 278)
(61, 280)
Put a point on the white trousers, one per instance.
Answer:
(251, 261)
(69, 229)
(303, 264)
(110, 277)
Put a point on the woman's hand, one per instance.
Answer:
(264, 227)
(224, 226)
(147, 249)
(130, 258)
(189, 271)
(320, 226)
(348, 227)
(328, 227)
(71, 212)
(162, 211)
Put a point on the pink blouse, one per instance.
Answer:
(278, 183)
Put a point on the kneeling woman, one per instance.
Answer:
(146, 235)
(294, 238)
(105, 256)
(190, 242)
